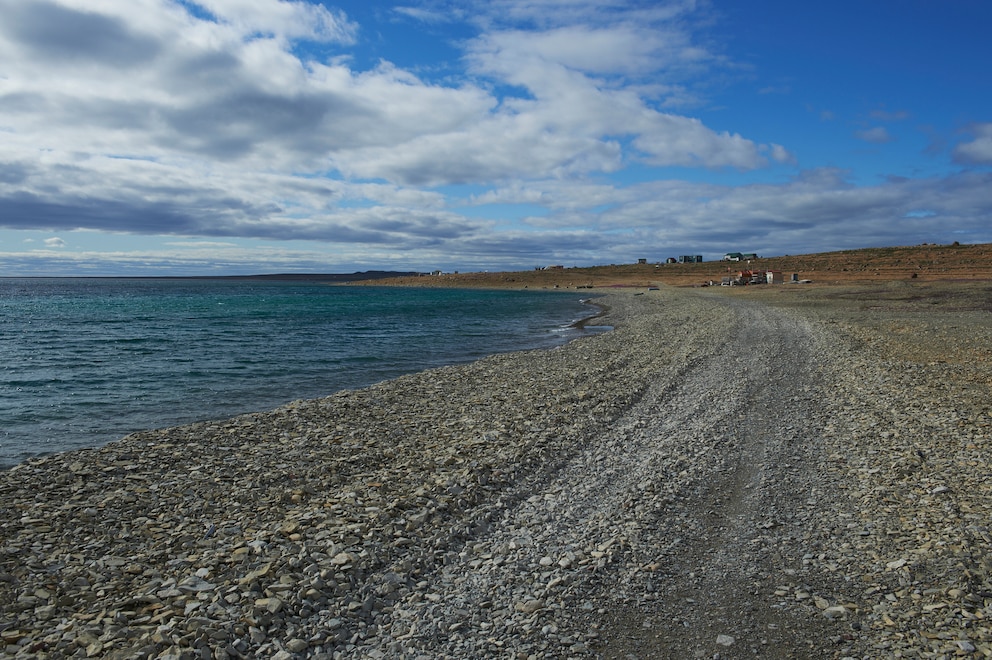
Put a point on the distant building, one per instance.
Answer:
(774, 277)
(642, 261)
(739, 256)
(691, 259)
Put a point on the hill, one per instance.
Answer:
(868, 265)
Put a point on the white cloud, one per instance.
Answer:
(55, 242)
(552, 13)
(205, 91)
(782, 155)
(282, 18)
(672, 140)
(622, 49)
(424, 15)
(209, 97)
(569, 76)
(875, 135)
(978, 150)
(200, 244)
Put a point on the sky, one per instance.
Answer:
(225, 137)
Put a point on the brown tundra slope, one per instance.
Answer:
(921, 262)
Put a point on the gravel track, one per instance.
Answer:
(748, 412)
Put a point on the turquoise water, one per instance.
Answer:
(87, 361)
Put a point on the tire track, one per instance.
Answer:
(751, 404)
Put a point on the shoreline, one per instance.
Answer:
(602, 310)
(735, 461)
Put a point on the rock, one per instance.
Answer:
(343, 558)
(529, 606)
(297, 645)
(195, 584)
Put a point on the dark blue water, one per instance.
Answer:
(86, 361)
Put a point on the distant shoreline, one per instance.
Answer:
(276, 277)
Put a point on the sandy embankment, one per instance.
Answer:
(790, 473)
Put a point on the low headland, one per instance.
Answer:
(778, 471)
(928, 262)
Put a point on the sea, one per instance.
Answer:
(85, 361)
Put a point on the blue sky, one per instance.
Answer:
(159, 137)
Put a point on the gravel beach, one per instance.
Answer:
(783, 472)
